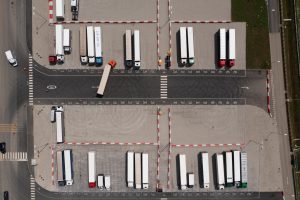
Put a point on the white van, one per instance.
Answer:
(100, 181)
(107, 182)
(10, 58)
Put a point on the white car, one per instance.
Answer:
(10, 58)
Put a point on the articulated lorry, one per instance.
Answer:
(205, 170)
(237, 167)
(92, 168)
(231, 47)
(60, 10)
(83, 56)
(183, 45)
(138, 170)
(130, 169)
(59, 43)
(220, 171)
(229, 169)
(222, 47)
(145, 171)
(90, 44)
(98, 45)
(106, 71)
(128, 43)
(183, 174)
(137, 49)
(244, 170)
(190, 39)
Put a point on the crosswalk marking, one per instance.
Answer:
(30, 80)
(163, 87)
(14, 156)
(32, 188)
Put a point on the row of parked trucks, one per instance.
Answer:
(64, 163)
(133, 52)
(187, 54)
(137, 170)
(231, 168)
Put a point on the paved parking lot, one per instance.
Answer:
(201, 10)
(113, 10)
(206, 44)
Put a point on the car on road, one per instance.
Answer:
(10, 58)
(3, 147)
(5, 195)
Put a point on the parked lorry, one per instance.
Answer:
(92, 168)
(190, 39)
(138, 170)
(191, 180)
(237, 167)
(60, 10)
(130, 169)
(106, 71)
(205, 169)
(231, 47)
(52, 53)
(100, 181)
(59, 43)
(98, 45)
(60, 168)
(137, 49)
(229, 169)
(220, 171)
(145, 171)
(83, 57)
(59, 116)
(107, 182)
(244, 170)
(90, 44)
(183, 174)
(183, 46)
(67, 41)
(128, 44)
(68, 166)
(10, 58)
(222, 47)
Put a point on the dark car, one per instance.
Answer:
(5, 195)
(3, 147)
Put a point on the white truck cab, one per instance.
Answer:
(10, 58)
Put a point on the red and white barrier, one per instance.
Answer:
(169, 152)
(51, 15)
(52, 165)
(200, 21)
(110, 143)
(158, 146)
(106, 22)
(207, 145)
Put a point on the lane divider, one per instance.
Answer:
(169, 152)
(30, 80)
(158, 151)
(268, 94)
(52, 165)
(200, 21)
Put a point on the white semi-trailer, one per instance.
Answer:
(104, 78)
(83, 57)
(190, 39)
(244, 170)
(128, 43)
(137, 49)
(183, 174)
(59, 126)
(145, 171)
(90, 44)
(220, 171)
(229, 169)
(222, 47)
(237, 167)
(130, 169)
(138, 170)
(60, 168)
(60, 9)
(68, 166)
(98, 45)
(205, 169)
(231, 47)
(183, 46)
(67, 41)
(59, 43)
(92, 168)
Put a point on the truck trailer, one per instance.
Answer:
(244, 170)
(220, 171)
(190, 39)
(205, 169)
(59, 43)
(92, 168)
(130, 169)
(237, 168)
(137, 49)
(52, 50)
(222, 47)
(128, 44)
(68, 166)
(59, 116)
(145, 171)
(83, 57)
(98, 45)
(67, 41)
(90, 44)
(104, 78)
(229, 169)
(60, 168)
(183, 46)
(138, 170)
(231, 47)
(60, 10)
(183, 174)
